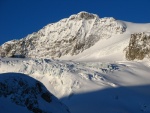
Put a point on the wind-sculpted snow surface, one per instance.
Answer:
(22, 91)
(69, 80)
(61, 77)
(69, 36)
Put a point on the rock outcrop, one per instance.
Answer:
(139, 46)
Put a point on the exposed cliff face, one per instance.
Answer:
(139, 46)
(29, 93)
(70, 36)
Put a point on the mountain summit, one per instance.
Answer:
(83, 15)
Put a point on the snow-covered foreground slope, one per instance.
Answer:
(108, 87)
(132, 99)
(20, 93)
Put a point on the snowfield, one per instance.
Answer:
(107, 87)
(88, 73)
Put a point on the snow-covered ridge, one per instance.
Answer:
(27, 93)
(69, 36)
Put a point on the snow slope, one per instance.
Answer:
(21, 93)
(113, 48)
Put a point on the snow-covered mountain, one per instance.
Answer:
(69, 36)
(91, 64)
(76, 37)
(21, 93)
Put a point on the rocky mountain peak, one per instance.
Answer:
(83, 15)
